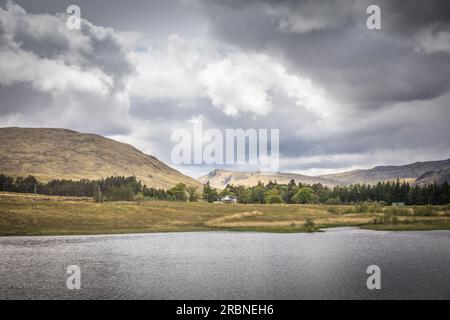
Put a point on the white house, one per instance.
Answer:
(229, 199)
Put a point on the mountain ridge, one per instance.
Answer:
(438, 169)
(219, 178)
(409, 172)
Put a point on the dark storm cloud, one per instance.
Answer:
(20, 97)
(410, 16)
(329, 42)
(156, 19)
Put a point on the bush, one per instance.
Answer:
(333, 210)
(423, 211)
(274, 199)
(334, 201)
(397, 211)
(272, 196)
(309, 225)
(139, 197)
(362, 208)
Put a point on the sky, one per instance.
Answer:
(343, 96)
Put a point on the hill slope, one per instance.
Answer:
(219, 178)
(439, 177)
(65, 154)
(382, 173)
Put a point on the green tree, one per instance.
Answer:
(272, 196)
(305, 195)
(258, 193)
(120, 193)
(192, 194)
(245, 196)
(209, 194)
(179, 192)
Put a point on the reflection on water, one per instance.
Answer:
(228, 265)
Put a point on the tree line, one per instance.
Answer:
(120, 188)
(114, 188)
(384, 192)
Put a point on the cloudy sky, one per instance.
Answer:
(343, 96)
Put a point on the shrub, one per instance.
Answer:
(349, 210)
(272, 196)
(139, 197)
(334, 201)
(397, 211)
(333, 210)
(274, 199)
(423, 211)
(309, 225)
(362, 207)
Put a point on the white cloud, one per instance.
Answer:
(53, 76)
(247, 82)
(81, 71)
(169, 73)
(240, 83)
(234, 82)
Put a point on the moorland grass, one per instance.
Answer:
(22, 214)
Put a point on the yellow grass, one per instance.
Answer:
(22, 214)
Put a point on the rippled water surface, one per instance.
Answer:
(228, 265)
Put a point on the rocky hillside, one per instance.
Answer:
(439, 177)
(219, 178)
(65, 154)
(423, 172)
(409, 172)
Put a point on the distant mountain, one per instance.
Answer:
(439, 177)
(409, 172)
(219, 178)
(65, 154)
(428, 171)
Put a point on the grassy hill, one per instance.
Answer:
(65, 154)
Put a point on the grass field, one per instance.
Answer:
(22, 214)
